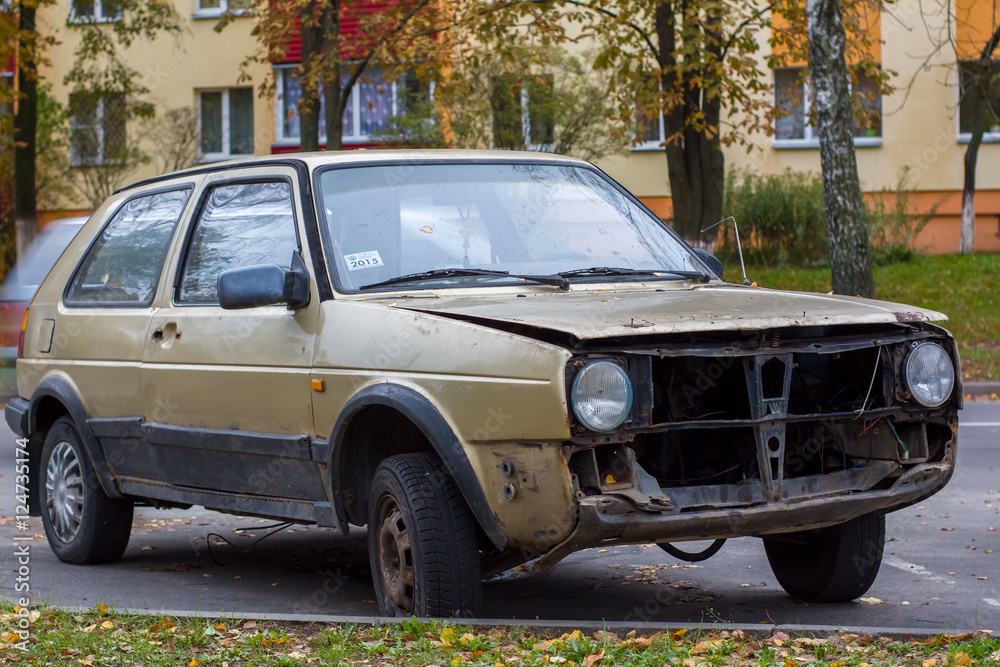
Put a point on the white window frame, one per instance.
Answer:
(215, 12)
(653, 144)
(226, 153)
(989, 137)
(100, 158)
(810, 138)
(98, 16)
(280, 111)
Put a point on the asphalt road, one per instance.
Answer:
(940, 569)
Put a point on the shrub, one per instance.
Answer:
(782, 220)
(781, 217)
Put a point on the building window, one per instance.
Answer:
(370, 106)
(217, 7)
(95, 11)
(967, 73)
(523, 112)
(792, 94)
(225, 123)
(97, 128)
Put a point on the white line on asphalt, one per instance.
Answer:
(919, 570)
(979, 423)
(991, 601)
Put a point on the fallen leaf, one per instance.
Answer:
(427, 229)
(872, 600)
(930, 662)
(962, 658)
(592, 658)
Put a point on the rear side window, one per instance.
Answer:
(240, 225)
(123, 265)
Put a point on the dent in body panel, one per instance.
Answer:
(529, 488)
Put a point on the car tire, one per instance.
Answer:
(422, 541)
(83, 525)
(834, 564)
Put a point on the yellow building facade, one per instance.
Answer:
(921, 127)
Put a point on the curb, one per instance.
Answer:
(980, 388)
(759, 630)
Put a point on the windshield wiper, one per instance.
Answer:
(556, 281)
(615, 271)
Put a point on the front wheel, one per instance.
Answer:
(422, 541)
(83, 525)
(834, 564)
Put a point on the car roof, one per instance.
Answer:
(364, 156)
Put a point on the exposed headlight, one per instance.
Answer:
(930, 375)
(602, 396)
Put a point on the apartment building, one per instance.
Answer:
(923, 126)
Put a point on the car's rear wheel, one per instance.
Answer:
(833, 564)
(83, 525)
(422, 540)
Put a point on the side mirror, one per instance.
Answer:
(710, 260)
(265, 285)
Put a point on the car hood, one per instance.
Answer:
(603, 314)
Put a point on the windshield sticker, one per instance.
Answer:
(363, 260)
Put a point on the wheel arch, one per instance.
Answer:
(356, 450)
(54, 398)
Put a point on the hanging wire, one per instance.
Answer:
(277, 526)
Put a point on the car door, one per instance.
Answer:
(227, 393)
(92, 336)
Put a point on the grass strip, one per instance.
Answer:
(100, 636)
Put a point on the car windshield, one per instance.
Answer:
(387, 221)
(41, 256)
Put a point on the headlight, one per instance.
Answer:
(930, 375)
(602, 396)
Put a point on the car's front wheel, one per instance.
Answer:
(834, 564)
(83, 525)
(422, 540)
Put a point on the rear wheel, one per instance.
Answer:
(83, 525)
(422, 540)
(833, 564)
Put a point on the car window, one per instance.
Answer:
(122, 267)
(31, 269)
(384, 222)
(240, 225)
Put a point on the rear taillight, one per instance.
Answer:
(20, 340)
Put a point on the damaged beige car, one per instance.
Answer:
(483, 357)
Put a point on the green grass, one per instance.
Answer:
(963, 287)
(102, 637)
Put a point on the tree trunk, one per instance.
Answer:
(967, 240)
(850, 257)
(312, 43)
(979, 90)
(695, 165)
(25, 126)
(332, 92)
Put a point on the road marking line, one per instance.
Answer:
(919, 570)
(979, 423)
(991, 601)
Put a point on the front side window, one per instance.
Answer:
(388, 221)
(226, 123)
(792, 94)
(97, 128)
(123, 265)
(240, 225)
